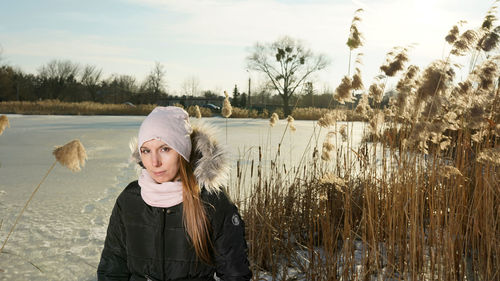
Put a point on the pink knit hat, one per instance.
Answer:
(169, 124)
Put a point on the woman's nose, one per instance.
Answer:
(156, 161)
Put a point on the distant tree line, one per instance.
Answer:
(65, 80)
(68, 81)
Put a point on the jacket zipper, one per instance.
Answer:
(163, 242)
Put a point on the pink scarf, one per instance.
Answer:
(162, 195)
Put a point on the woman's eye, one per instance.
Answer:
(143, 151)
(165, 149)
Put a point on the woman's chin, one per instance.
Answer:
(162, 179)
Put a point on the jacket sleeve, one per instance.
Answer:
(113, 264)
(229, 244)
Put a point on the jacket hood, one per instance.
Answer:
(209, 158)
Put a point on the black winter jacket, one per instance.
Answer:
(145, 242)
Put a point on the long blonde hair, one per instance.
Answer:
(194, 215)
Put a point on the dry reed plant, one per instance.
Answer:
(291, 123)
(227, 109)
(246, 113)
(192, 111)
(72, 156)
(395, 61)
(55, 107)
(376, 92)
(417, 201)
(4, 123)
(363, 108)
(452, 35)
(343, 93)
(314, 113)
(198, 113)
(274, 119)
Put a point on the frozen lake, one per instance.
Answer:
(62, 231)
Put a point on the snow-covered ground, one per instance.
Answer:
(61, 234)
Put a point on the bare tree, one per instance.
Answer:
(191, 86)
(57, 76)
(287, 64)
(120, 88)
(90, 77)
(59, 69)
(155, 81)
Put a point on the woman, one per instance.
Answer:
(175, 223)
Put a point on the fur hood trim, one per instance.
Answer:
(209, 158)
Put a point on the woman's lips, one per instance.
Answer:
(158, 173)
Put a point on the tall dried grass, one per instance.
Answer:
(199, 112)
(417, 201)
(56, 107)
(313, 113)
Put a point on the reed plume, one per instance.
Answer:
(376, 123)
(355, 39)
(291, 124)
(476, 115)
(357, 83)
(445, 142)
(406, 88)
(434, 107)
(490, 40)
(464, 43)
(408, 81)
(435, 80)
(4, 123)
(490, 18)
(363, 107)
(327, 120)
(197, 112)
(463, 88)
(452, 35)
(451, 118)
(343, 132)
(391, 110)
(343, 93)
(490, 36)
(227, 109)
(274, 118)
(490, 156)
(395, 61)
(71, 155)
(448, 172)
(330, 178)
(480, 135)
(436, 129)
(326, 152)
(487, 74)
(420, 132)
(376, 92)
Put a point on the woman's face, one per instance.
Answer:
(161, 161)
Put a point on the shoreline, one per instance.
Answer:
(55, 107)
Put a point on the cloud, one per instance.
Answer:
(211, 38)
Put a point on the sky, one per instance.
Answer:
(210, 39)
